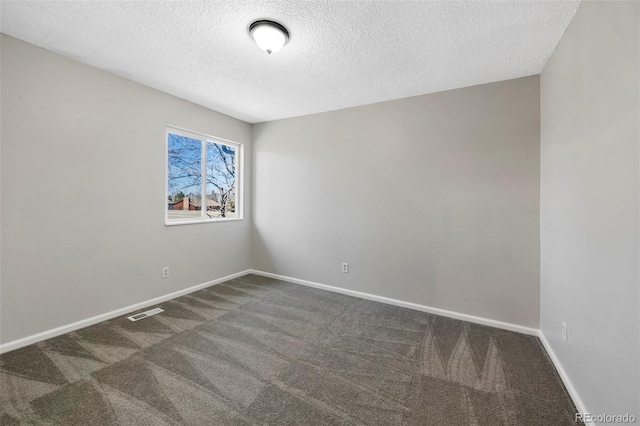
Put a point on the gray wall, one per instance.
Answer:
(83, 169)
(589, 204)
(432, 199)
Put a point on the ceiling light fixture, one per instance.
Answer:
(268, 35)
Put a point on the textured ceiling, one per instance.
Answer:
(341, 53)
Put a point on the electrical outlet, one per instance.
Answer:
(564, 331)
(345, 268)
(165, 272)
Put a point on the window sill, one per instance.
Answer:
(195, 221)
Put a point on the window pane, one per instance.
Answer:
(184, 177)
(221, 180)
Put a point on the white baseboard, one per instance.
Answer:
(25, 341)
(403, 304)
(577, 401)
(580, 407)
(19, 343)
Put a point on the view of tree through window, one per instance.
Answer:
(197, 190)
(221, 179)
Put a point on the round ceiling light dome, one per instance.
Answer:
(270, 36)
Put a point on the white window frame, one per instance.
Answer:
(239, 170)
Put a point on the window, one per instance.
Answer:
(203, 178)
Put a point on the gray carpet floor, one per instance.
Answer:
(257, 351)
